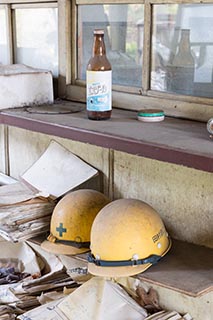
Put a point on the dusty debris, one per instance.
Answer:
(148, 299)
(168, 315)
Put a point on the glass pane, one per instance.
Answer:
(4, 54)
(123, 26)
(37, 38)
(182, 57)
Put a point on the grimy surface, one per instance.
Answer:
(173, 140)
(187, 268)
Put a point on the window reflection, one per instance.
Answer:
(121, 24)
(4, 54)
(182, 49)
(36, 42)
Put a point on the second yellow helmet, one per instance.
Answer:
(127, 237)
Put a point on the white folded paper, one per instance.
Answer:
(57, 171)
(96, 299)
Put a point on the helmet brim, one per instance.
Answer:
(114, 272)
(58, 248)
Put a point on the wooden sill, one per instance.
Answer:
(177, 141)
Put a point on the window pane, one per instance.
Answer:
(123, 25)
(182, 57)
(37, 38)
(4, 54)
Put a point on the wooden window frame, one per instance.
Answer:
(189, 107)
(181, 106)
(9, 6)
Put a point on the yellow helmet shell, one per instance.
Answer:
(126, 230)
(71, 221)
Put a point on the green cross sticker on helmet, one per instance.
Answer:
(61, 230)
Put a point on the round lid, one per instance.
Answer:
(150, 115)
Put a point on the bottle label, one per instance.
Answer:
(99, 90)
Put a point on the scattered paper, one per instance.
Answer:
(15, 193)
(96, 299)
(101, 299)
(48, 311)
(4, 179)
(27, 205)
(23, 253)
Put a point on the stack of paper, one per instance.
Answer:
(98, 299)
(46, 281)
(27, 205)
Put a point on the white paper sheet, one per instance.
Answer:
(96, 299)
(101, 299)
(48, 311)
(58, 171)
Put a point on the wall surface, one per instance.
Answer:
(182, 196)
(25, 150)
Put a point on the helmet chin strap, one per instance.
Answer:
(76, 244)
(152, 259)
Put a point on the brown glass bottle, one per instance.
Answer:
(99, 81)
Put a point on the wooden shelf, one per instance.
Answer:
(177, 141)
(186, 268)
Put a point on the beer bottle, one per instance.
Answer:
(99, 81)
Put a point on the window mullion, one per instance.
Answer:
(74, 41)
(10, 51)
(146, 48)
(64, 45)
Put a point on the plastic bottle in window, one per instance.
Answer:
(184, 64)
(99, 81)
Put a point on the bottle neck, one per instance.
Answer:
(99, 48)
(185, 40)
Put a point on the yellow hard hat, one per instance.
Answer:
(127, 237)
(71, 221)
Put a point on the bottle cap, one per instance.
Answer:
(151, 115)
(98, 31)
